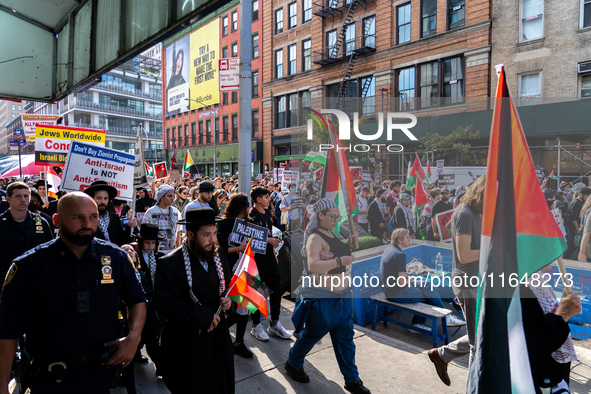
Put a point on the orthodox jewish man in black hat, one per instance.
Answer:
(197, 354)
(46, 199)
(109, 228)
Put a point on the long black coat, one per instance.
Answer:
(192, 359)
(117, 234)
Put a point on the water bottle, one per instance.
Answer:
(439, 264)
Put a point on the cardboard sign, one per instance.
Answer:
(244, 231)
(160, 170)
(175, 175)
(88, 163)
(52, 143)
(442, 219)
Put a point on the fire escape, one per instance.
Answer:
(343, 48)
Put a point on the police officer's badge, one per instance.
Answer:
(10, 274)
(106, 270)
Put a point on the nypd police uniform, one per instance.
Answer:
(68, 309)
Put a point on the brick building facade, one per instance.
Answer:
(406, 54)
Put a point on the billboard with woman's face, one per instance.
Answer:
(177, 76)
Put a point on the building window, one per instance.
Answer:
(255, 46)
(224, 26)
(279, 64)
(279, 21)
(406, 89)
(13, 107)
(369, 32)
(293, 15)
(225, 52)
(234, 21)
(20, 107)
(350, 39)
(293, 110)
(186, 135)
(173, 140)
(193, 135)
(428, 17)
(585, 13)
(234, 127)
(225, 130)
(281, 112)
(532, 20)
(225, 98)
(586, 86)
(234, 97)
(13, 115)
(292, 59)
(457, 14)
(216, 130)
(306, 55)
(208, 131)
(235, 50)
(200, 133)
(530, 86)
(403, 23)
(255, 10)
(331, 40)
(453, 80)
(307, 10)
(429, 83)
(255, 84)
(255, 124)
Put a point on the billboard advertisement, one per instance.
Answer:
(205, 46)
(177, 76)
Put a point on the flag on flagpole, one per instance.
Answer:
(519, 236)
(173, 159)
(54, 180)
(552, 176)
(415, 172)
(149, 171)
(245, 283)
(188, 163)
(428, 171)
(421, 199)
(316, 156)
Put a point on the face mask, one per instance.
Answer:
(33, 207)
(550, 202)
(293, 190)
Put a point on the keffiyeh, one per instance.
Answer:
(218, 265)
(162, 190)
(104, 222)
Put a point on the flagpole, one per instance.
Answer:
(565, 281)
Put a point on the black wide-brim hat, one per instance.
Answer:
(101, 185)
(200, 216)
(41, 182)
(150, 232)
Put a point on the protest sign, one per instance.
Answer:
(139, 174)
(442, 219)
(52, 142)
(280, 174)
(318, 174)
(244, 231)
(31, 121)
(88, 163)
(356, 173)
(366, 177)
(175, 175)
(440, 165)
(307, 177)
(289, 178)
(160, 170)
(447, 179)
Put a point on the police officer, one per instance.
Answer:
(64, 296)
(110, 228)
(20, 229)
(4, 205)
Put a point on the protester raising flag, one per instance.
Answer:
(428, 171)
(415, 172)
(552, 176)
(188, 163)
(512, 245)
(245, 283)
(421, 199)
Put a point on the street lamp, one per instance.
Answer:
(148, 139)
(214, 135)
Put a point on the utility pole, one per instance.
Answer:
(244, 103)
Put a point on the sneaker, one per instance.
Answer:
(278, 330)
(297, 374)
(424, 327)
(259, 333)
(357, 388)
(453, 321)
(242, 351)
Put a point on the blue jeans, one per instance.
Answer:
(328, 315)
(424, 294)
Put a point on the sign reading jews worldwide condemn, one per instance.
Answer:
(442, 219)
(139, 171)
(88, 163)
(243, 231)
(52, 142)
(30, 123)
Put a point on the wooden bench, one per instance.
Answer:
(429, 312)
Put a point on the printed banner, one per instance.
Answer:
(290, 177)
(30, 123)
(244, 231)
(139, 174)
(442, 219)
(366, 177)
(160, 170)
(88, 163)
(355, 173)
(52, 142)
(204, 76)
(177, 76)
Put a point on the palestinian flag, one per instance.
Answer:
(337, 181)
(316, 156)
(173, 159)
(54, 180)
(428, 172)
(245, 282)
(422, 198)
(149, 171)
(519, 236)
(415, 172)
(552, 176)
(188, 163)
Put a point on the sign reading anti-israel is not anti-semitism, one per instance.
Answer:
(243, 231)
(88, 163)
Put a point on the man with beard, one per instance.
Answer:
(20, 229)
(440, 206)
(205, 200)
(197, 354)
(64, 296)
(110, 228)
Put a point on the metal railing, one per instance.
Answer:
(361, 45)
(110, 87)
(77, 103)
(364, 106)
(326, 8)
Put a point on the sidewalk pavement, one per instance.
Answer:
(389, 361)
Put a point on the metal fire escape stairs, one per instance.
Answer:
(352, 57)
